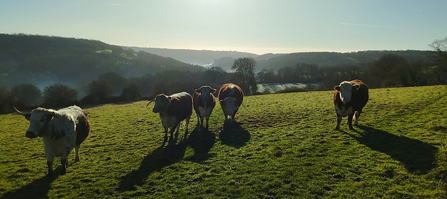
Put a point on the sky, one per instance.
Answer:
(255, 26)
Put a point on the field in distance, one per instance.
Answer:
(284, 146)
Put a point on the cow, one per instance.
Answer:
(61, 130)
(173, 110)
(230, 99)
(349, 99)
(204, 102)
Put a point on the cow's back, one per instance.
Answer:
(231, 90)
(76, 116)
(361, 96)
(181, 106)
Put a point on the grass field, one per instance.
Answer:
(284, 147)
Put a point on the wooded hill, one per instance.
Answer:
(44, 60)
(324, 59)
(270, 61)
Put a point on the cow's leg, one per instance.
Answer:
(207, 119)
(187, 124)
(50, 160)
(356, 117)
(198, 120)
(176, 128)
(338, 122)
(350, 121)
(64, 161)
(77, 153)
(50, 165)
(166, 134)
(201, 122)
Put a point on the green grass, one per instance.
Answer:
(285, 147)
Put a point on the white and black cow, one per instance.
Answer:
(173, 110)
(204, 102)
(349, 99)
(230, 98)
(61, 130)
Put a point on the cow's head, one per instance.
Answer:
(345, 89)
(229, 105)
(205, 92)
(162, 102)
(39, 120)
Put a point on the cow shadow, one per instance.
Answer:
(201, 141)
(234, 135)
(159, 158)
(417, 157)
(37, 189)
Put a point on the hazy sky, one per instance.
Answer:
(256, 26)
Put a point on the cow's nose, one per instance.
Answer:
(30, 134)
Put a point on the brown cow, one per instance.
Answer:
(230, 98)
(173, 110)
(204, 102)
(349, 99)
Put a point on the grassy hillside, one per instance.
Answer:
(285, 147)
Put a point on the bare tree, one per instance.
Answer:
(245, 70)
(440, 48)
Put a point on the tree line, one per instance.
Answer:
(390, 70)
(111, 87)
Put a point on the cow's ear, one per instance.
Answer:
(356, 86)
(337, 88)
(196, 90)
(220, 102)
(214, 91)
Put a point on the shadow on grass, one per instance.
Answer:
(418, 157)
(37, 189)
(234, 135)
(159, 158)
(201, 141)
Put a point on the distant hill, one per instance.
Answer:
(225, 59)
(324, 59)
(44, 60)
(199, 57)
